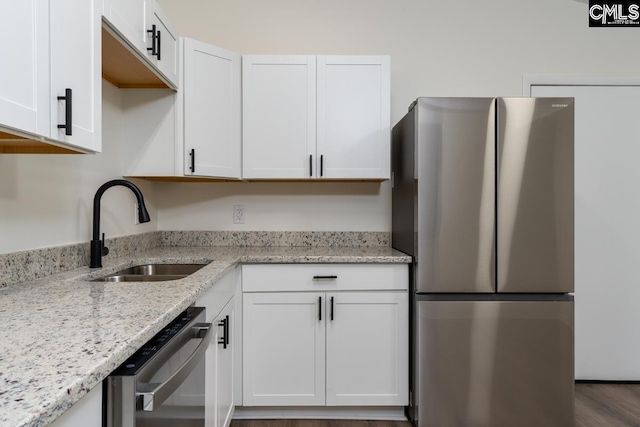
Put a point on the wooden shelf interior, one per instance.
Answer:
(13, 144)
(124, 69)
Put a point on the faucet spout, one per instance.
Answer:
(97, 246)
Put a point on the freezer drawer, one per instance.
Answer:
(495, 363)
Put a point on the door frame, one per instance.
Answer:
(529, 80)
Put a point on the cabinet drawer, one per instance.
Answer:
(324, 277)
(217, 297)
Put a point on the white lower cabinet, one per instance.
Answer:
(283, 349)
(219, 359)
(87, 412)
(367, 349)
(346, 347)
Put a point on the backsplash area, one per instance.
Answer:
(275, 238)
(24, 266)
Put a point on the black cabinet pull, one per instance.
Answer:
(321, 165)
(325, 277)
(310, 165)
(319, 308)
(67, 98)
(159, 47)
(155, 41)
(225, 332)
(192, 153)
(331, 308)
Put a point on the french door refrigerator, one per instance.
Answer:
(483, 202)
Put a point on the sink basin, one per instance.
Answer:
(140, 278)
(161, 269)
(152, 273)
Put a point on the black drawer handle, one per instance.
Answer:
(325, 277)
(67, 98)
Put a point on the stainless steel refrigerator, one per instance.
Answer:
(483, 202)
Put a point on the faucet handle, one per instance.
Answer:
(104, 250)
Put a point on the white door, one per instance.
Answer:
(210, 376)
(283, 349)
(24, 92)
(212, 129)
(279, 116)
(225, 367)
(354, 117)
(131, 18)
(165, 56)
(367, 349)
(76, 66)
(607, 208)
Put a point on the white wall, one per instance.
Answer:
(47, 200)
(437, 48)
(293, 206)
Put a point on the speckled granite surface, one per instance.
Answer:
(275, 238)
(23, 266)
(62, 335)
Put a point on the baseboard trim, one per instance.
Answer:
(387, 413)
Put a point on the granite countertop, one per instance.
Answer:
(63, 334)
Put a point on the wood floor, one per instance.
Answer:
(597, 405)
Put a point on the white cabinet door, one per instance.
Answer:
(367, 349)
(24, 92)
(353, 117)
(165, 56)
(76, 67)
(607, 322)
(212, 129)
(279, 116)
(283, 349)
(131, 18)
(87, 412)
(225, 367)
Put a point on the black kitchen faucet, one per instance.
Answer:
(98, 250)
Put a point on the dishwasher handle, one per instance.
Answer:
(152, 395)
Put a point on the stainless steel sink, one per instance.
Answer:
(152, 273)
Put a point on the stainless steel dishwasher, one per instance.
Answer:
(162, 384)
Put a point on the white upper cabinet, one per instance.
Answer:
(316, 117)
(163, 44)
(195, 132)
(140, 45)
(76, 73)
(130, 18)
(24, 100)
(353, 117)
(212, 129)
(53, 101)
(279, 116)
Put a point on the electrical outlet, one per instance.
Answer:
(238, 214)
(136, 218)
